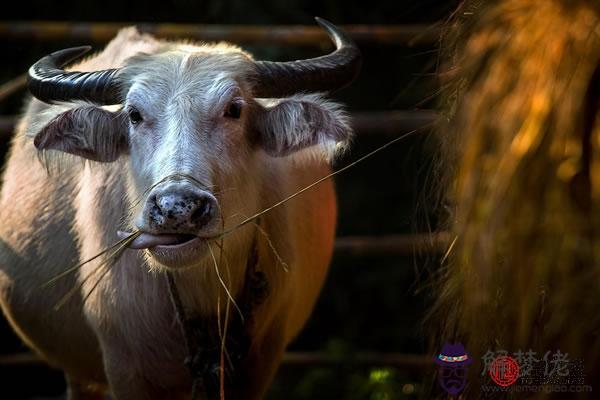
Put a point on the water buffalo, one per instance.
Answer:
(179, 142)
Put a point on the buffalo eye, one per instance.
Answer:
(134, 116)
(234, 110)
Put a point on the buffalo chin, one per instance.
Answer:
(181, 255)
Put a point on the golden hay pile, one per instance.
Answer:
(521, 151)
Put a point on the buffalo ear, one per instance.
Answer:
(89, 132)
(301, 122)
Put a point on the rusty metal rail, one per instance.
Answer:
(297, 35)
(9, 88)
(7, 126)
(293, 359)
(391, 122)
(392, 245)
(396, 360)
(364, 123)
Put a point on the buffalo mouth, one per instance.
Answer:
(171, 250)
(151, 241)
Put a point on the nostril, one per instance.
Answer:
(156, 213)
(202, 213)
(165, 203)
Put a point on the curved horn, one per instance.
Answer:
(325, 73)
(48, 82)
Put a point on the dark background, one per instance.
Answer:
(369, 303)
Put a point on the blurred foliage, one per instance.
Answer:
(368, 303)
(350, 384)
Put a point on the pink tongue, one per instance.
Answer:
(147, 240)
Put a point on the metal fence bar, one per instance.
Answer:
(315, 359)
(364, 123)
(298, 35)
(12, 86)
(391, 122)
(7, 126)
(390, 245)
(20, 359)
(295, 359)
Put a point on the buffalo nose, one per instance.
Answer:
(181, 212)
